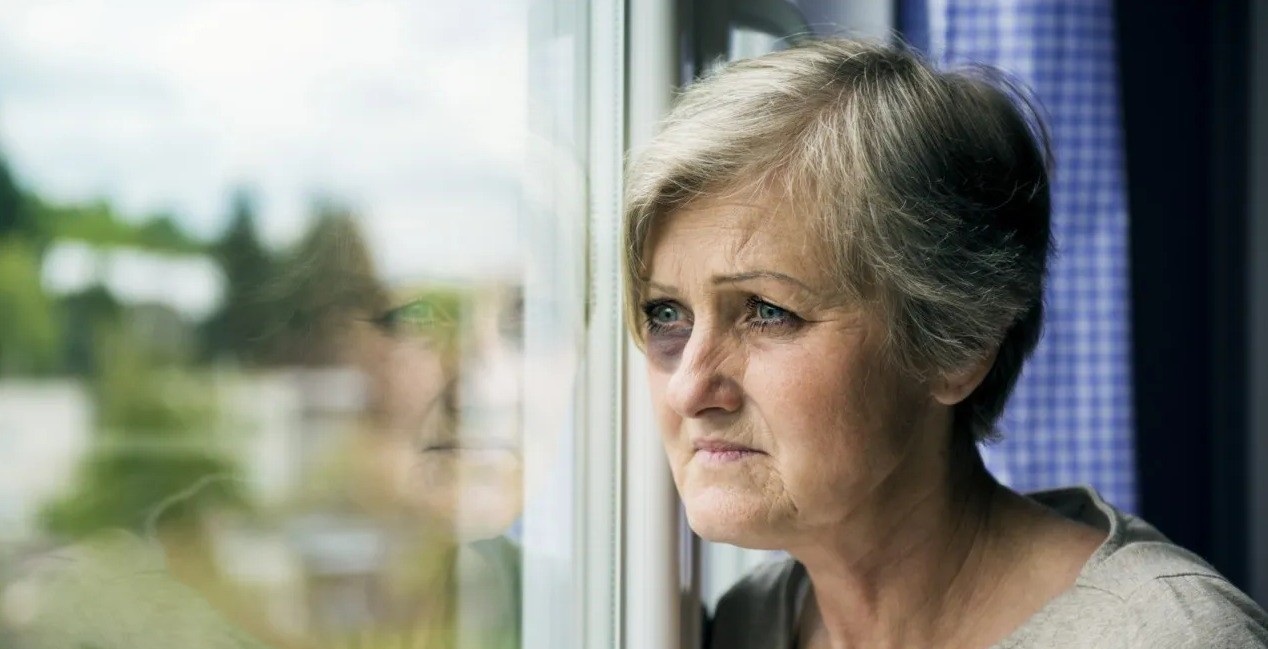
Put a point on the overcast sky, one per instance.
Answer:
(414, 111)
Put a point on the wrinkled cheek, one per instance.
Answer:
(819, 446)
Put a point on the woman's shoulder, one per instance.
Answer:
(1143, 589)
(1196, 610)
(1167, 596)
(759, 610)
(1134, 555)
(1160, 602)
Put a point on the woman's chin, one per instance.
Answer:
(474, 493)
(727, 516)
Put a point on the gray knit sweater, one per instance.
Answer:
(1137, 591)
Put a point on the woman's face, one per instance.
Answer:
(778, 414)
(446, 390)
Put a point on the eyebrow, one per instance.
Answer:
(761, 274)
(743, 277)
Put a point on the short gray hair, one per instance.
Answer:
(930, 188)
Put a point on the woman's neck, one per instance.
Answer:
(906, 570)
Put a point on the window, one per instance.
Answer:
(295, 303)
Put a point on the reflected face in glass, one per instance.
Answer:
(445, 398)
(777, 411)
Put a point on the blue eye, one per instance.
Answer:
(767, 311)
(663, 313)
(763, 314)
(661, 316)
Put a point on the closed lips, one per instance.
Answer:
(720, 446)
(472, 444)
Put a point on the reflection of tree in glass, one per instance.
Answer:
(237, 329)
(29, 327)
(29, 332)
(18, 219)
(155, 439)
(329, 277)
(429, 461)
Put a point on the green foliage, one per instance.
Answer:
(240, 327)
(17, 219)
(161, 234)
(137, 395)
(29, 327)
(99, 225)
(156, 441)
(124, 486)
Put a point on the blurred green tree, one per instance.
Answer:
(16, 216)
(98, 224)
(161, 233)
(240, 328)
(29, 326)
(155, 454)
(328, 282)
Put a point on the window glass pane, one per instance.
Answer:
(292, 306)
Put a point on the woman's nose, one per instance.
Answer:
(489, 377)
(704, 381)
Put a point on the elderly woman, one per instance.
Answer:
(836, 261)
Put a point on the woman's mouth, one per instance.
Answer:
(723, 452)
(467, 445)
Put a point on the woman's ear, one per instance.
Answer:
(955, 386)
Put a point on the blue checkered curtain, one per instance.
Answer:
(1070, 420)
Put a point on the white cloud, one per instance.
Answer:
(416, 111)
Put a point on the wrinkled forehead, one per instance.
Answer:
(740, 231)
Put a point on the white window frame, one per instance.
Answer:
(651, 531)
